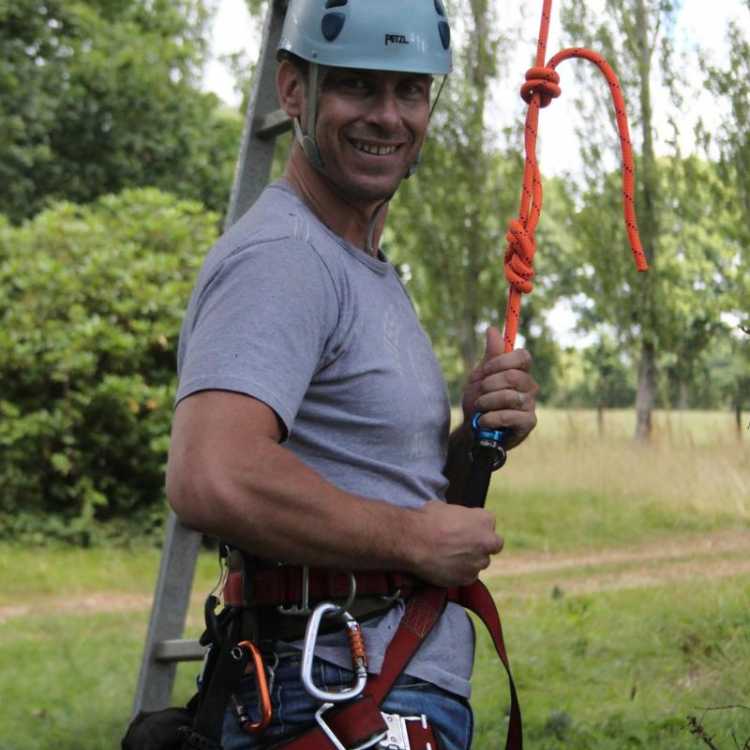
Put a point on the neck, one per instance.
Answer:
(352, 220)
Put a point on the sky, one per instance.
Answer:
(700, 23)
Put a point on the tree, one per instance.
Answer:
(88, 338)
(99, 95)
(650, 312)
(732, 85)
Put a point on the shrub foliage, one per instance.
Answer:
(91, 303)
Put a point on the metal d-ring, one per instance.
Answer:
(341, 610)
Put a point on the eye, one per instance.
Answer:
(352, 84)
(415, 88)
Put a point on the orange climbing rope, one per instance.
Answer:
(542, 85)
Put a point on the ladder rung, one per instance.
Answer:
(272, 124)
(179, 650)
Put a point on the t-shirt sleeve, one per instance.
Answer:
(260, 326)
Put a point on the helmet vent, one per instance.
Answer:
(445, 34)
(438, 7)
(332, 24)
(339, 3)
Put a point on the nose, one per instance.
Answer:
(385, 111)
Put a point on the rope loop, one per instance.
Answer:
(519, 257)
(542, 81)
(541, 87)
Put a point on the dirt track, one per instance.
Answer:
(711, 556)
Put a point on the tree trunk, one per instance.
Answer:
(738, 419)
(646, 396)
(649, 226)
(684, 398)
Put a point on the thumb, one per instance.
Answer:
(494, 344)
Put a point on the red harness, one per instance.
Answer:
(354, 723)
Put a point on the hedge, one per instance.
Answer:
(91, 301)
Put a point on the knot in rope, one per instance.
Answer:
(541, 87)
(543, 81)
(519, 257)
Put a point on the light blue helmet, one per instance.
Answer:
(408, 36)
(411, 36)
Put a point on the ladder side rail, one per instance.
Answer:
(164, 647)
(253, 167)
(168, 613)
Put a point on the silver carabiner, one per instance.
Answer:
(356, 644)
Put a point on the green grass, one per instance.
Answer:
(569, 488)
(60, 571)
(67, 681)
(612, 670)
(606, 670)
(623, 669)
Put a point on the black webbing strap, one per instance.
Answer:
(222, 679)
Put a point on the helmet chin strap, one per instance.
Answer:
(371, 227)
(413, 166)
(307, 139)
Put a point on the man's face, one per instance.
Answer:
(370, 128)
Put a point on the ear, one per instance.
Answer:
(290, 89)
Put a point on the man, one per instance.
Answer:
(312, 418)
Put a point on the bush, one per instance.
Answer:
(92, 301)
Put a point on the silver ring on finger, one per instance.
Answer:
(520, 399)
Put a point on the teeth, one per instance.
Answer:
(369, 148)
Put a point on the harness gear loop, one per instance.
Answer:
(541, 86)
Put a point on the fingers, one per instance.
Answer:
(506, 398)
(493, 344)
(507, 386)
(519, 359)
(461, 542)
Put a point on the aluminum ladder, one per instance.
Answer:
(164, 646)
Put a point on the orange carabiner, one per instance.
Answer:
(264, 695)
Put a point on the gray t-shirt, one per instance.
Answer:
(289, 313)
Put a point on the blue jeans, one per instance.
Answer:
(294, 709)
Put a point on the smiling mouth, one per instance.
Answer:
(373, 149)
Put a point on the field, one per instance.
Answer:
(624, 588)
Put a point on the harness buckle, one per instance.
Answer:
(304, 609)
(357, 648)
(397, 737)
(323, 724)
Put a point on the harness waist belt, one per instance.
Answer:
(283, 585)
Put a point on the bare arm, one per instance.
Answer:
(229, 477)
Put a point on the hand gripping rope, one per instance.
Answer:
(540, 88)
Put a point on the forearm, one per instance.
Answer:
(263, 499)
(228, 477)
